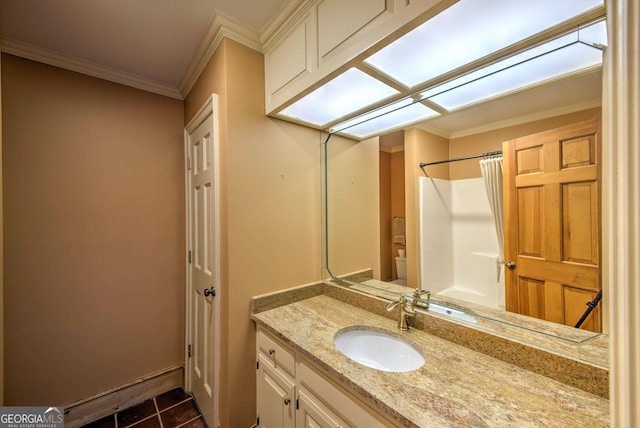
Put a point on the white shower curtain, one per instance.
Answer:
(492, 174)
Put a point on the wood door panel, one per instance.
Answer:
(531, 297)
(552, 223)
(580, 222)
(578, 152)
(567, 273)
(530, 239)
(529, 160)
(541, 299)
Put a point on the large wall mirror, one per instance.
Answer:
(416, 206)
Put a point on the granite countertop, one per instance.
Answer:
(455, 387)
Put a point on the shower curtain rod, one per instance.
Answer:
(483, 155)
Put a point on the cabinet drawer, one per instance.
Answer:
(276, 353)
(335, 401)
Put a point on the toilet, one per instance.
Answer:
(401, 269)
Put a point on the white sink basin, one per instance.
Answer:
(378, 350)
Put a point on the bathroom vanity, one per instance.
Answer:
(304, 380)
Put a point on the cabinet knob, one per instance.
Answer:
(287, 401)
(272, 351)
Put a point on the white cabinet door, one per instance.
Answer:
(276, 397)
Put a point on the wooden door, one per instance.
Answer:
(203, 268)
(552, 224)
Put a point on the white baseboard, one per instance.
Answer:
(121, 397)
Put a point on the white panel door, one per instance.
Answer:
(203, 275)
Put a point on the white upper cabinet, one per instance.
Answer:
(338, 20)
(322, 37)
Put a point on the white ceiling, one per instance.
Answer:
(153, 40)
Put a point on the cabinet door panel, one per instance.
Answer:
(311, 414)
(276, 394)
(338, 20)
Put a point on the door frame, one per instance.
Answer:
(209, 109)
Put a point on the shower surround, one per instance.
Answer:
(459, 255)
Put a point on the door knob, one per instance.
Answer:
(209, 292)
(511, 265)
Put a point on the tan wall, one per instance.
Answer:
(270, 197)
(492, 140)
(354, 206)
(387, 270)
(93, 233)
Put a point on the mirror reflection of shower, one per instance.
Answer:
(461, 248)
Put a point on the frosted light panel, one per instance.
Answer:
(349, 92)
(594, 33)
(393, 116)
(511, 61)
(567, 60)
(468, 31)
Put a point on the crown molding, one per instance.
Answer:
(433, 130)
(221, 26)
(392, 150)
(24, 50)
(290, 14)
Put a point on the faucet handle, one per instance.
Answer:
(401, 301)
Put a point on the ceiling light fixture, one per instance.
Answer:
(468, 31)
(351, 91)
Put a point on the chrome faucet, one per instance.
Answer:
(405, 312)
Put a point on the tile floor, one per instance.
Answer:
(172, 409)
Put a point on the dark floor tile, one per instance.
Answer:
(179, 414)
(135, 414)
(106, 422)
(171, 398)
(152, 422)
(195, 423)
